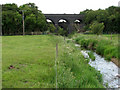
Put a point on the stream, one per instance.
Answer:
(108, 70)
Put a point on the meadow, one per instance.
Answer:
(32, 58)
(29, 62)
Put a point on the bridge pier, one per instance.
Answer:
(56, 26)
(70, 27)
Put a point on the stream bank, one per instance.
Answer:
(102, 45)
(108, 70)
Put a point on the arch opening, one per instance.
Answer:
(63, 23)
(49, 21)
(78, 25)
(51, 25)
(78, 21)
(62, 20)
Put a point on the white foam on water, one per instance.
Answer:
(108, 70)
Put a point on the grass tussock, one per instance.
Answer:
(91, 55)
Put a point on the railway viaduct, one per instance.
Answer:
(69, 18)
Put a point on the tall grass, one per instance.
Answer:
(103, 45)
(74, 71)
(91, 55)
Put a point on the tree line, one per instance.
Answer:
(96, 21)
(102, 21)
(35, 21)
(12, 19)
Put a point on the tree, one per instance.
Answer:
(30, 22)
(38, 19)
(97, 28)
(110, 17)
(90, 17)
(11, 19)
(51, 28)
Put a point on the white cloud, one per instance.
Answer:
(66, 6)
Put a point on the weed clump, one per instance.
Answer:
(91, 55)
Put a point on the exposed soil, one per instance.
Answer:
(11, 67)
(116, 61)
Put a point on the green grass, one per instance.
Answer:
(91, 55)
(74, 70)
(102, 44)
(34, 60)
(0, 62)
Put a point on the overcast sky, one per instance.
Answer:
(65, 6)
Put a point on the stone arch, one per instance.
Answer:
(63, 23)
(78, 21)
(78, 24)
(63, 20)
(50, 21)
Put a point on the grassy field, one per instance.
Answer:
(0, 62)
(33, 58)
(102, 44)
(32, 61)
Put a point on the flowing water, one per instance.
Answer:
(108, 70)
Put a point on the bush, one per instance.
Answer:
(51, 28)
(61, 31)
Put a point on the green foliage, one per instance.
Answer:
(97, 28)
(12, 19)
(34, 60)
(30, 22)
(111, 52)
(51, 28)
(110, 17)
(103, 45)
(38, 19)
(74, 71)
(86, 43)
(61, 31)
(91, 55)
(90, 17)
(87, 27)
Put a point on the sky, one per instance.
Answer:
(65, 6)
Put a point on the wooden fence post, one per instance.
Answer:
(56, 62)
(111, 36)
